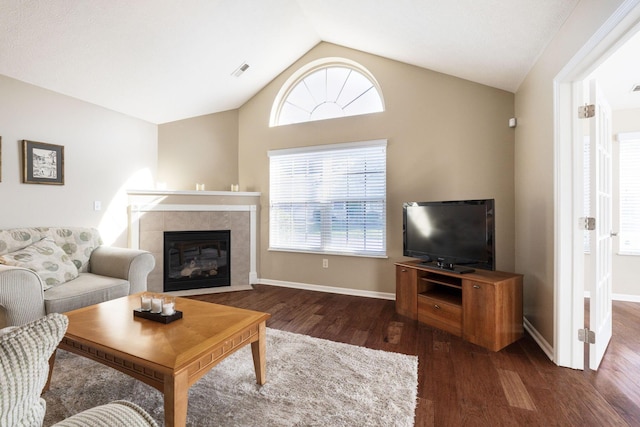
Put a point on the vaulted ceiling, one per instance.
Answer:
(165, 60)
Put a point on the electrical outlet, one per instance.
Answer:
(325, 263)
(97, 205)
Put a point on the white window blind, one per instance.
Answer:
(629, 193)
(329, 199)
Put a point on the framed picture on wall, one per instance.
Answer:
(42, 163)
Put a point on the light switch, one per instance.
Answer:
(97, 205)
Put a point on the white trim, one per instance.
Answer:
(618, 297)
(136, 211)
(149, 207)
(538, 338)
(564, 298)
(327, 147)
(309, 68)
(329, 289)
(625, 297)
(296, 251)
(253, 221)
(568, 288)
(191, 193)
(628, 253)
(207, 291)
(627, 136)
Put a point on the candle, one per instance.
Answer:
(156, 305)
(167, 309)
(145, 302)
(168, 305)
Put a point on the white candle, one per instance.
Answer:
(145, 302)
(156, 305)
(167, 309)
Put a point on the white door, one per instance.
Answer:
(600, 307)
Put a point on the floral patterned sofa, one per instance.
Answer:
(57, 269)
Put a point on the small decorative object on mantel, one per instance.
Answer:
(42, 163)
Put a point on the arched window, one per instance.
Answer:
(325, 89)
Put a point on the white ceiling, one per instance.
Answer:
(164, 60)
(619, 73)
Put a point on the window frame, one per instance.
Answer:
(326, 224)
(303, 72)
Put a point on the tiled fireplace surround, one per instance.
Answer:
(151, 213)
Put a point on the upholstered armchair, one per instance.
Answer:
(24, 369)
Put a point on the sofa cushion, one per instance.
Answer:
(14, 239)
(47, 259)
(77, 242)
(87, 289)
(24, 368)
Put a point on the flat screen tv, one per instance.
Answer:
(450, 235)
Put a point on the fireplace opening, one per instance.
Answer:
(196, 259)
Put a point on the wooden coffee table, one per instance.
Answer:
(170, 357)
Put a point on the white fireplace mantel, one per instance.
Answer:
(193, 193)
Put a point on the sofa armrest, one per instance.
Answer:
(21, 296)
(129, 264)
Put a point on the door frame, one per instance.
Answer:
(569, 256)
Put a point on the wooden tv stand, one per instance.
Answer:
(483, 307)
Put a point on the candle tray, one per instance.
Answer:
(157, 317)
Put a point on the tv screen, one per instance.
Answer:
(450, 233)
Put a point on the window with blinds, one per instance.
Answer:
(329, 199)
(629, 193)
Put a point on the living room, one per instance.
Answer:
(448, 138)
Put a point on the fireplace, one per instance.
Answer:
(196, 259)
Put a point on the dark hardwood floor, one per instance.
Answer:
(461, 384)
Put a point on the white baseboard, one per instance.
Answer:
(330, 289)
(618, 297)
(205, 291)
(625, 297)
(539, 339)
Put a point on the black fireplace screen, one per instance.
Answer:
(196, 259)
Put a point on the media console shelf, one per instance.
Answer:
(483, 307)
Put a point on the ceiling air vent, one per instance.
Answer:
(241, 69)
(635, 88)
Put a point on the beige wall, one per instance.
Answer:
(447, 139)
(199, 150)
(105, 154)
(534, 163)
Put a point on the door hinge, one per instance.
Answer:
(587, 223)
(586, 336)
(586, 111)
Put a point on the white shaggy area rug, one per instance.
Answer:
(310, 382)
